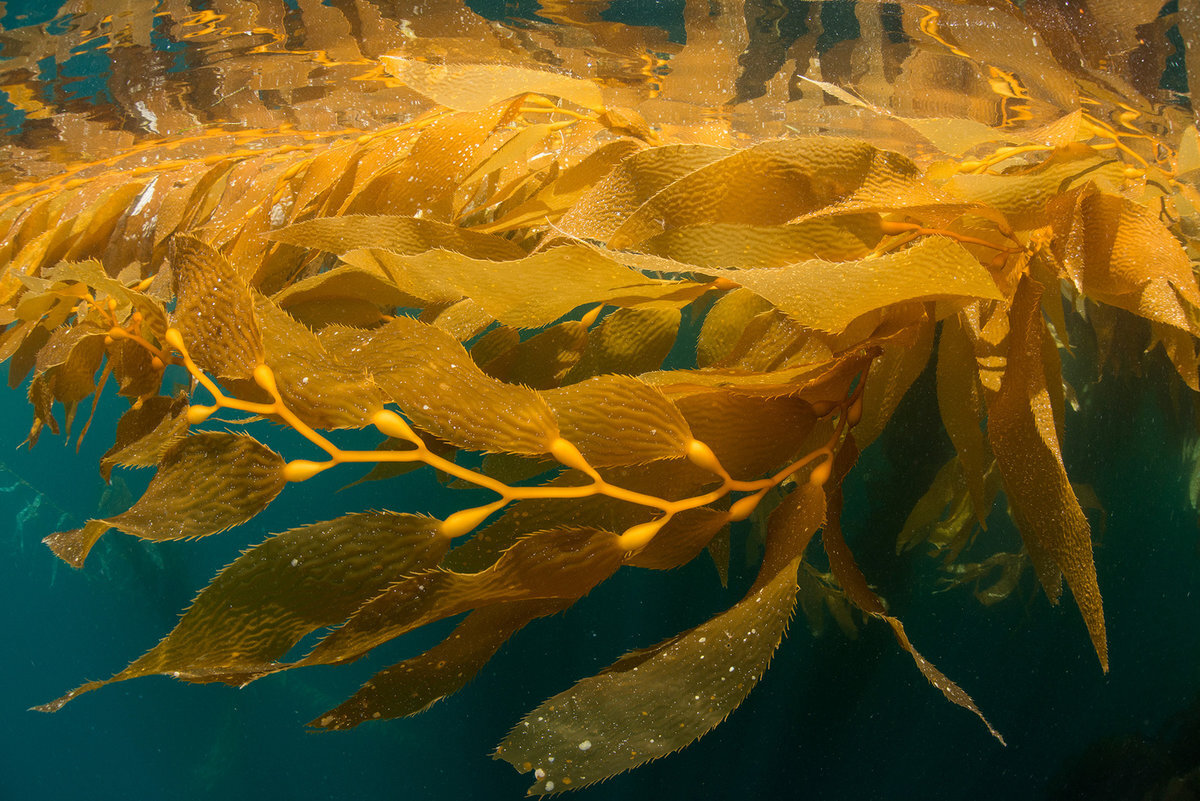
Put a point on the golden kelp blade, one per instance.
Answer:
(282, 589)
(524, 293)
(404, 235)
(440, 388)
(618, 420)
(145, 432)
(770, 184)
(415, 684)
(827, 296)
(658, 700)
(840, 238)
(628, 341)
(960, 404)
(726, 421)
(214, 310)
(539, 362)
(1023, 198)
(205, 483)
(605, 207)
(563, 563)
(1118, 252)
(1024, 437)
(343, 295)
(320, 389)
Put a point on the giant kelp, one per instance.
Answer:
(505, 273)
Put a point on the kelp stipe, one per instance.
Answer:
(549, 247)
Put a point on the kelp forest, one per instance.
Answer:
(634, 297)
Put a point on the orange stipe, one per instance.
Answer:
(466, 520)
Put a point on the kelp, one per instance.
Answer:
(630, 334)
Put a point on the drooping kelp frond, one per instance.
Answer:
(550, 249)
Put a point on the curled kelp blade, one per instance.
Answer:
(406, 235)
(851, 579)
(525, 293)
(559, 564)
(539, 362)
(660, 699)
(630, 341)
(282, 589)
(145, 432)
(415, 684)
(769, 184)
(828, 296)
(206, 483)
(1024, 436)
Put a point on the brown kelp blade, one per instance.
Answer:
(851, 579)
(214, 310)
(660, 699)
(415, 684)
(406, 235)
(525, 293)
(205, 484)
(439, 387)
(770, 184)
(1024, 436)
(562, 563)
(316, 386)
(827, 296)
(277, 592)
(618, 420)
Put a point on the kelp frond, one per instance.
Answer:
(505, 274)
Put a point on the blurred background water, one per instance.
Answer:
(835, 717)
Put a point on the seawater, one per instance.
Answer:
(834, 718)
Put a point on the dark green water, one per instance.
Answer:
(834, 718)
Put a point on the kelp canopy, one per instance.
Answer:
(491, 285)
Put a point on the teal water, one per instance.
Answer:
(834, 718)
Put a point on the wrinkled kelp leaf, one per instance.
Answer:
(562, 563)
(415, 684)
(275, 593)
(770, 184)
(347, 295)
(214, 310)
(628, 341)
(205, 483)
(317, 387)
(658, 700)
(525, 293)
(605, 207)
(539, 362)
(1024, 436)
(145, 432)
(440, 388)
(406, 235)
(618, 420)
(552, 201)
(840, 238)
(829, 295)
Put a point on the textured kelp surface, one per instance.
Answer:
(491, 288)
